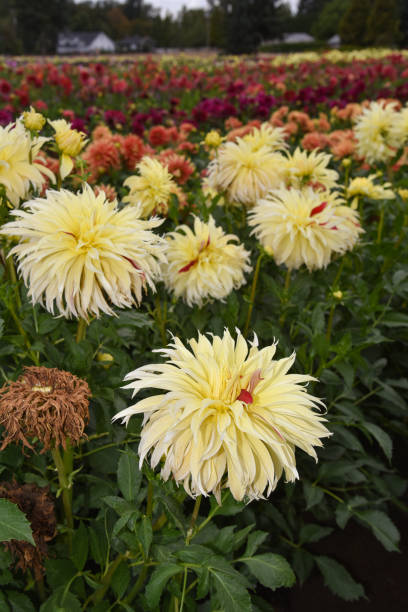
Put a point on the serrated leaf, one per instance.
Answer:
(129, 475)
(382, 527)
(174, 509)
(194, 553)
(80, 545)
(121, 579)
(338, 579)
(203, 582)
(313, 495)
(271, 570)
(382, 438)
(61, 601)
(158, 581)
(255, 540)
(230, 589)
(343, 515)
(313, 533)
(19, 602)
(13, 523)
(145, 534)
(120, 505)
(302, 564)
(59, 572)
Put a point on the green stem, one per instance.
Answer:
(23, 333)
(98, 596)
(183, 594)
(330, 322)
(285, 296)
(138, 585)
(194, 517)
(11, 271)
(161, 318)
(149, 503)
(41, 589)
(61, 465)
(81, 331)
(253, 293)
(380, 225)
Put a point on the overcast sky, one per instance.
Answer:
(173, 6)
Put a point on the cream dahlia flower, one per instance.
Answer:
(267, 135)
(78, 252)
(245, 173)
(304, 227)
(399, 128)
(19, 168)
(69, 142)
(376, 138)
(365, 186)
(204, 262)
(305, 168)
(152, 189)
(228, 415)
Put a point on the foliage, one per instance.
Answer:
(353, 26)
(138, 543)
(327, 24)
(383, 24)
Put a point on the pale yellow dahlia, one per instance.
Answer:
(399, 128)
(365, 186)
(267, 135)
(228, 415)
(69, 142)
(304, 168)
(80, 254)
(304, 227)
(376, 139)
(152, 189)
(32, 120)
(245, 173)
(204, 262)
(19, 168)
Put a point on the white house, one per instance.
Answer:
(84, 42)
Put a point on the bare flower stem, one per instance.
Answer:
(194, 518)
(285, 296)
(380, 225)
(81, 331)
(66, 492)
(253, 294)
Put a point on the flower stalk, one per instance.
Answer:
(253, 293)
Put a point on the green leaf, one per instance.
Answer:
(382, 438)
(382, 527)
(129, 475)
(13, 523)
(229, 586)
(271, 570)
(313, 532)
(158, 581)
(80, 544)
(121, 579)
(255, 540)
(173, 508)
(313, 495)
(19, 602)
(120, 505)
(194, 553)
(145, 534)
(59, 572)
(60, 601)
(339, 581)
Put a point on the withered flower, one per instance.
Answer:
(44, 403)
(38, 506)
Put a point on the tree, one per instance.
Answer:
(37, 26)
(383, 24)
(327, 24)
(308, 13)
(352, 28)
(248, 23)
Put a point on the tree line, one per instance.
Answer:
(236, 26)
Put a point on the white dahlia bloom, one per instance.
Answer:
(204, 262)
(78, 252)
(19, 168)
(152, 188)
(304, 168)
(245, 172)
(267, 136)
(227, 415)
(377, 140)
(304, 227)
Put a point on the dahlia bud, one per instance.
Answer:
(213, 139)
(338, 295)
(33, 121)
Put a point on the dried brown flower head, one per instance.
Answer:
(38, 506)
(44, 403)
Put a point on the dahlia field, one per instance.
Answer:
(204, 282)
